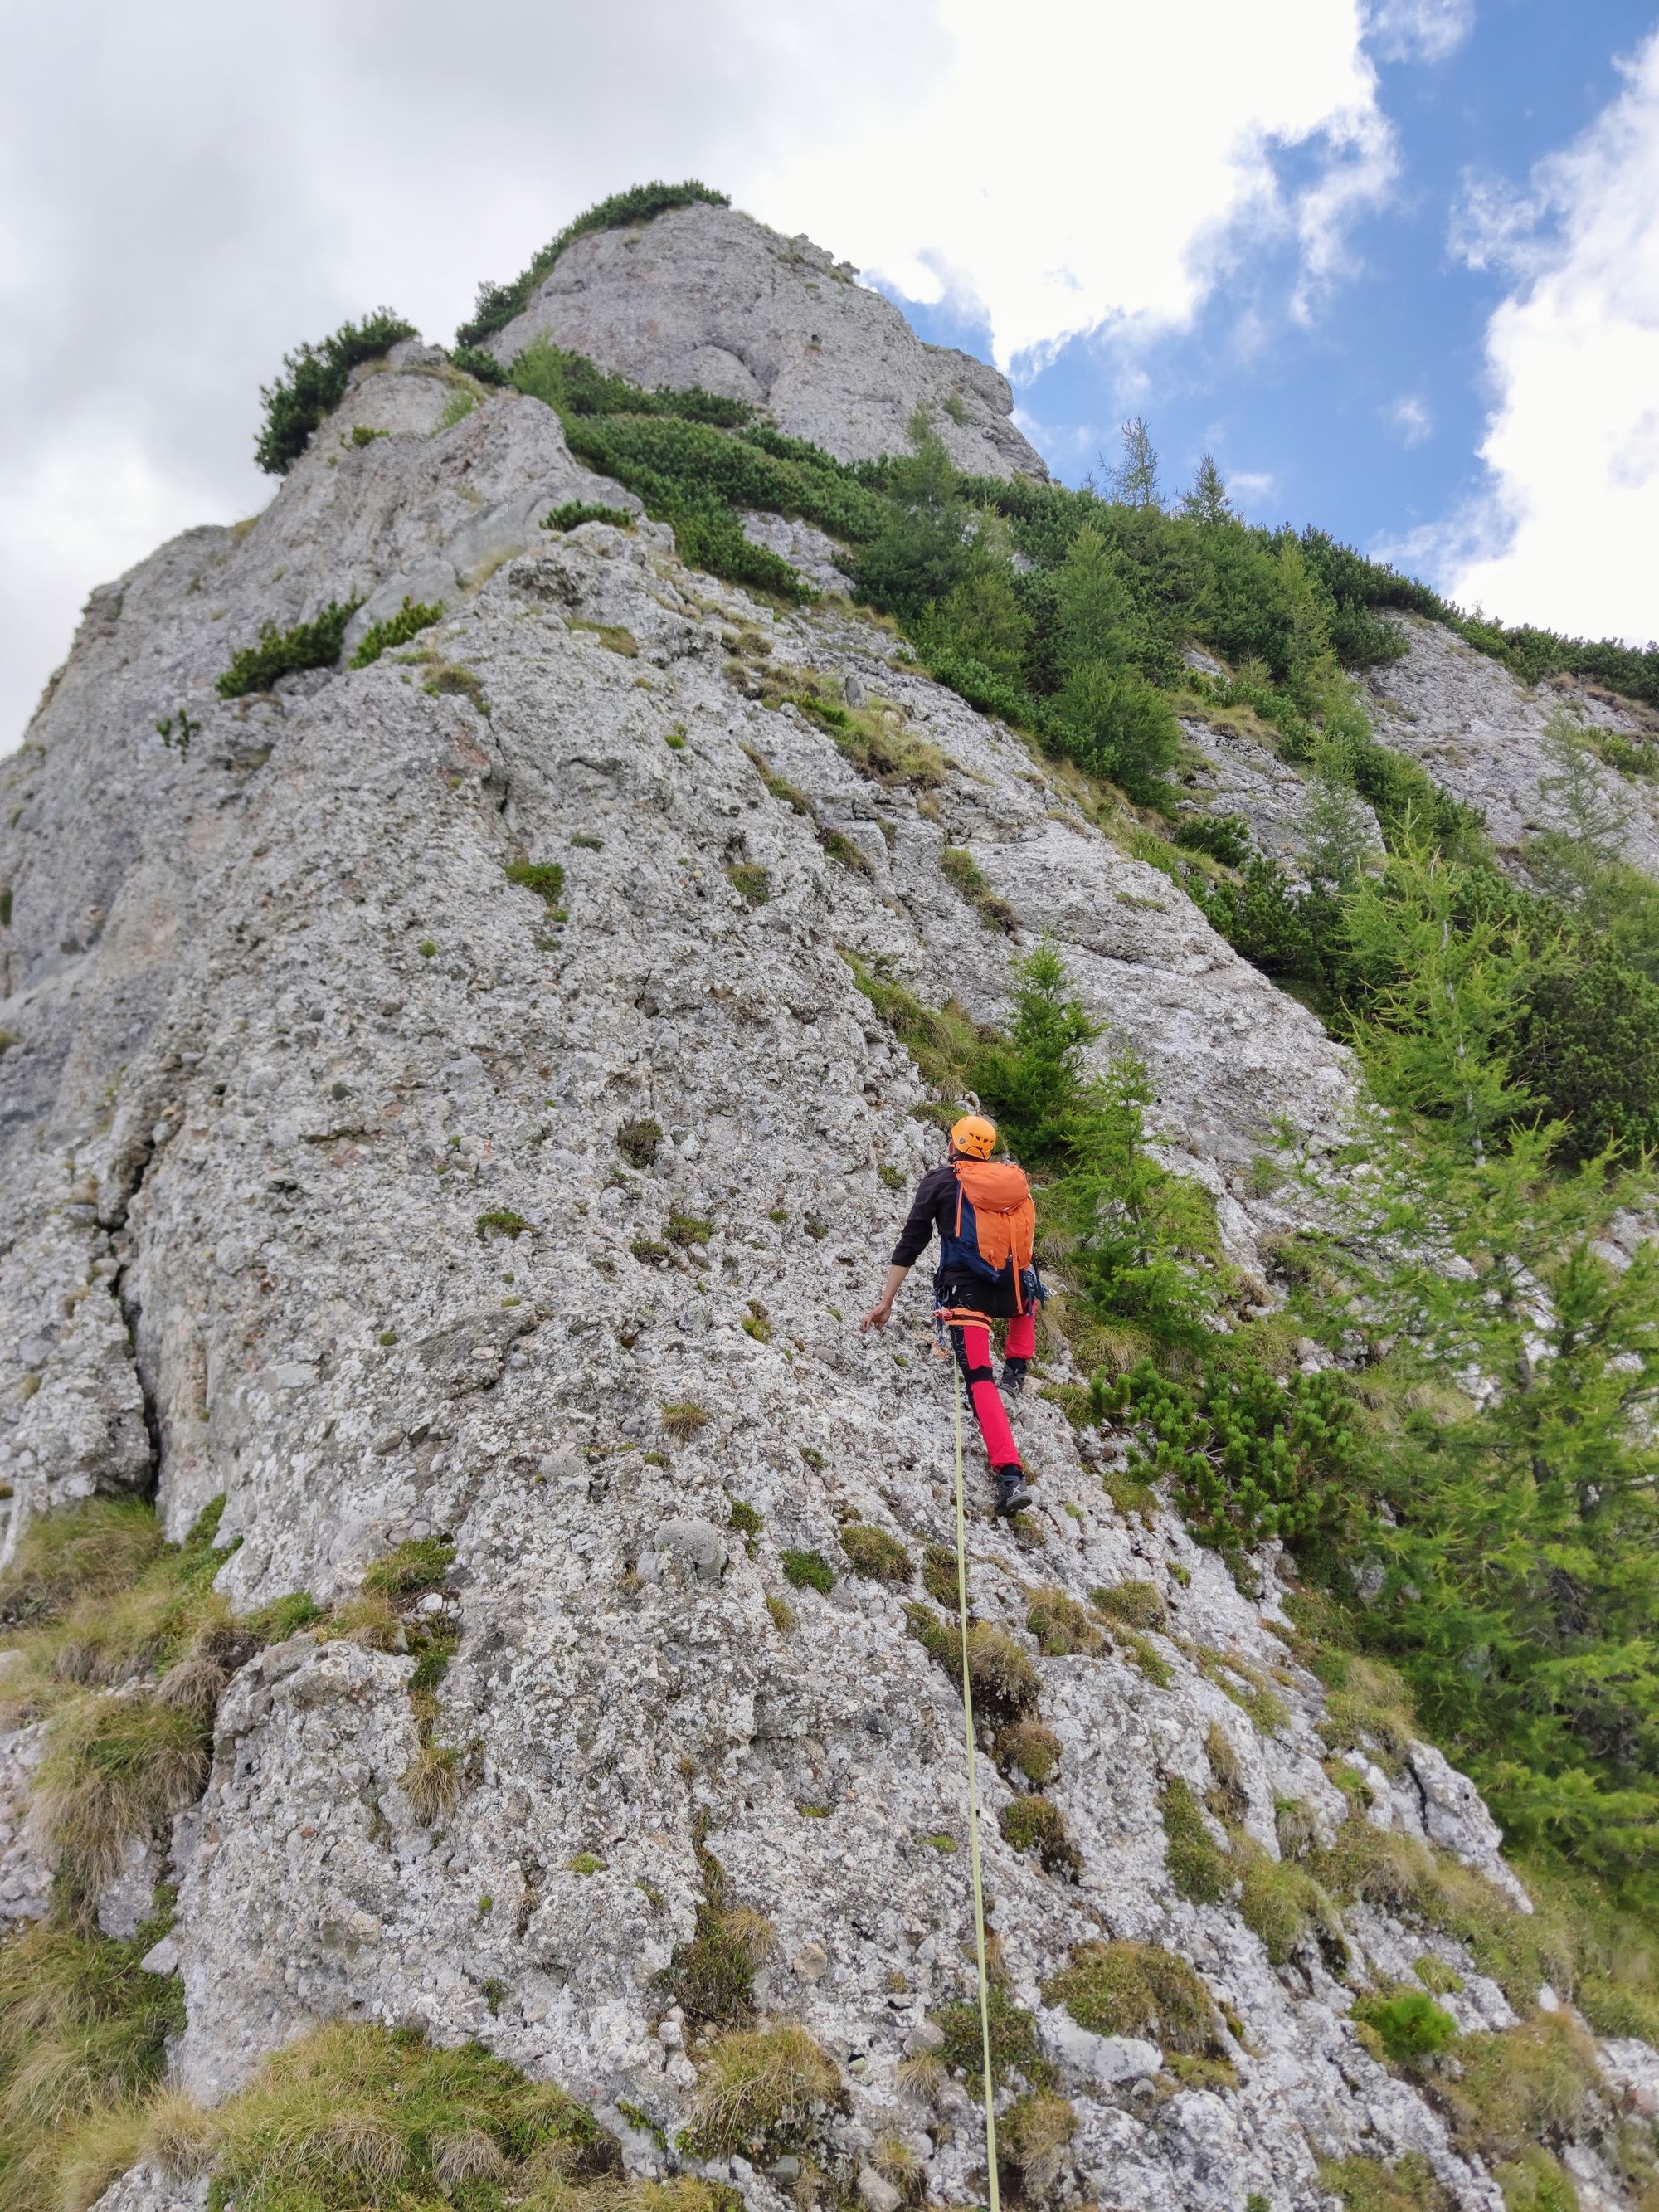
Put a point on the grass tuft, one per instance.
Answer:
(808, 1570)
(1198, 1867)
(1036, 1825)
(83, 2033)
(875, 1553)
(1131, 1605)
(1136, 1989)
(432, 1780)
(1029, 1750)
(1061, 1626)
(761, 2090)
(353, 2115)
(421, 1563)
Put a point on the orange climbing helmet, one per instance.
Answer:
(974, 1137)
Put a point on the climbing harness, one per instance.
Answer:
(973, 1811)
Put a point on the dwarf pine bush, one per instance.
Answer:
(315, 383)
(313, 644)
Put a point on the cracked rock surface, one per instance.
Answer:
(313, 1197)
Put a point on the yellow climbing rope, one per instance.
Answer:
(973, 1810)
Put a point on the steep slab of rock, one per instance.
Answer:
(706, 295)
(326, 1110)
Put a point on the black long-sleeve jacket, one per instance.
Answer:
(933, 1207)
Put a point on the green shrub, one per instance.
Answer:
(1225, 837)
(807, 1570)
(875, 1553)
(686, 1230)
(1136, 1989)
(314, 644)
(474, 361)
(639, 1142)
(499, 304)
(576, 512)
(315, 385)
(682, 1419)
(411, 618)
(1408, 2026)
(1251, 1455)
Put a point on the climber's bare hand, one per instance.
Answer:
(878, 1317)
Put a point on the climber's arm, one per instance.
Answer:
(882, 1312)
(913, 1240)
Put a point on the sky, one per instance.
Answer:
(1395, 263)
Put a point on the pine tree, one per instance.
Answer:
(1521, 1477)
(1134, 481)
(1092, 608)
(1206, 500)
(1338, 833)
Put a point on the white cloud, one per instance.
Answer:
(1565, 533)
(1494, 225)
(1252, 488)
(1075, 168)
(1100, 194)
(1419, 30)
(1411, 416)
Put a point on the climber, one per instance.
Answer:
(985, 1218)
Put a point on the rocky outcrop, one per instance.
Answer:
(388, 1197)
(1477, 730)
(706, 295)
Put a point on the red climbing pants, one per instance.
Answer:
(971, 1342)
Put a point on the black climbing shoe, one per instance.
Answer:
(1012, 1377)
(1012, 1493)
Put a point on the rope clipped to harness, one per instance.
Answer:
(973, 1811)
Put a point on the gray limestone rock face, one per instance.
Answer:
(322, 1190)
(1477, 730)
(706, 295)
(1240, 776)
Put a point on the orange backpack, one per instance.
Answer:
(1001, 1218)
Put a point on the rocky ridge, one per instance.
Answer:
(705, 296)
(313, 1198)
